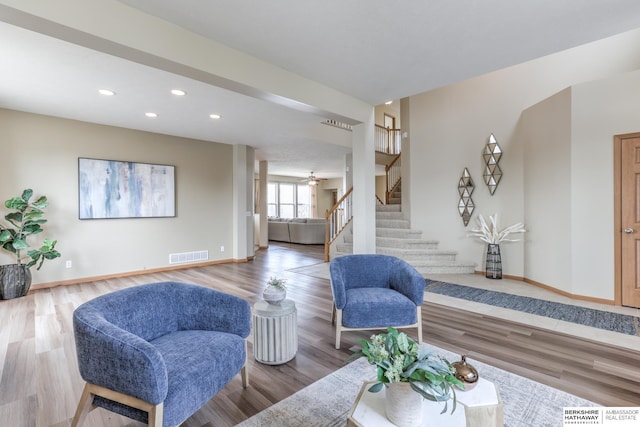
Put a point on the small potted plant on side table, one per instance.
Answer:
(276, 290)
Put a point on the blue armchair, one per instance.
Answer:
(375, 292)
(157, 353)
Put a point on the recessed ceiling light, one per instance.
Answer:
(215, 116)
(152, 115)
(106, 92)
(388, 102)
(178, 92)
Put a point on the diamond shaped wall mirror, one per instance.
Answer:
(491, 156)
(465, 189)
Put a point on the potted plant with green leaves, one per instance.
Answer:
(276, 290)
(409, 375)
(24, 220)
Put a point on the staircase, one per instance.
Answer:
(395, 197)
(394, 236)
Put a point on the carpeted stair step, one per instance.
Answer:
(399, 233)
(405, 243)
(388, 208)
(399, 242)
(382, 215)
(438, 267)
(411, 255)
(392, 223)
(423, 266)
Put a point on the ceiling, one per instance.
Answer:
(372, 50)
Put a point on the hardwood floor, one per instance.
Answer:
(40, 385)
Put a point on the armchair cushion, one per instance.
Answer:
(377, 308)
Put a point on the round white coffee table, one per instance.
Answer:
(275, 332)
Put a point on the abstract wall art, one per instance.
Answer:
(118, 189)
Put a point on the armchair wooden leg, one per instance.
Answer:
(90, 390)
(244, 372)
(333, 314)
(419, 318)
(155, 415)
(338, 327)
(84, 407)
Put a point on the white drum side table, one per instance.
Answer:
(275, 332)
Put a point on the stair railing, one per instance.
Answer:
(388, 140)
(394, 174)
(337, 218)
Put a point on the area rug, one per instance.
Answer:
(614, 322)
(327, 402)
(319, 270)
(600, 319)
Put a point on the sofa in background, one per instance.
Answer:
(306, 231)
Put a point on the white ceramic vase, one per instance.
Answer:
(274, 295)
(403, 406)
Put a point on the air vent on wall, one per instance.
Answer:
(188, 257)
(337, 124)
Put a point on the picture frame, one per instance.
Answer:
(122, 189)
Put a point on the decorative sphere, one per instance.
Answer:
(466, 373)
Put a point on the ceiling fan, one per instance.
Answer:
(313, 180)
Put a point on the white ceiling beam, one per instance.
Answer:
(113, 28)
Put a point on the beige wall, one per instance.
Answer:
(325, 194)
(391, 109)
(545, 132)
(600, 110)
(381, 187)
(449, 128)
(42, 153)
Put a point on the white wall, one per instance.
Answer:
(42, 153)
(600, 110)
(449, 127)
(546, 135)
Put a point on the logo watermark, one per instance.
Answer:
(613, 416)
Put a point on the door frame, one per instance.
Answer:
(617, 212)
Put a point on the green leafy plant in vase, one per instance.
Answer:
(24, 220)
(276, 290)
(409, 374)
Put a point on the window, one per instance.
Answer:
(303, 202)
(288, 200)
(272, 200)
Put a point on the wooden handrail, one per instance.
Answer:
(387, 140)
(337, 218)
(394, 175)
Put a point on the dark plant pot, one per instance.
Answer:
(15, 281)
(493, 268)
